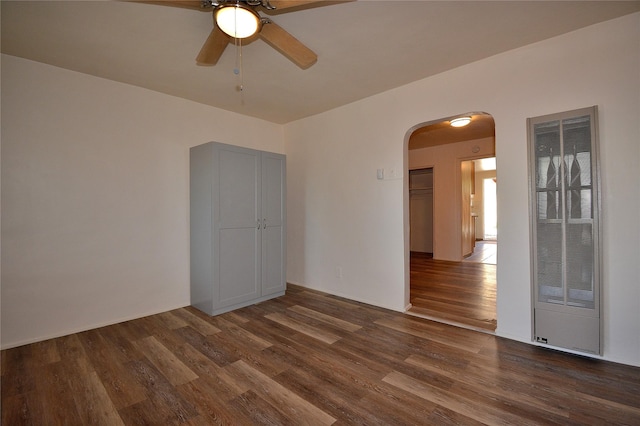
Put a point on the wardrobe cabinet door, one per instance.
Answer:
(273, 221)
(236, 227)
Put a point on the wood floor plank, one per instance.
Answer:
(250, 353)
(171, 321)
(241, 334)
(206, 345)
(100, 350)
(121, 342)
(197, 323)
(452, 401)
(213, 406)
(18, 378)
(21, 409)
(391, 410)
(292, 406)
(607, 410)
(337, 322)
(390, 355)
(236, 317)
(209, 373)
(166, 362)
(444, 417)
(45, 353)
(329, 393)
(92, 401)
(475, 381)
(57, 405)
(321, 358)
(109, 364)
(135, 329)
(310, 358)
(147, 413)
(70, 347)
(163, 399)
(303, 328)
(259, 411)
(121, 386)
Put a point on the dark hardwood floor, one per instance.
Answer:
(462, 293)
(306, 358)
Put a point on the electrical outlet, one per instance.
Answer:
(339, 272)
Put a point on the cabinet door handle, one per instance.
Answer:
(258, 223)
(264, 223)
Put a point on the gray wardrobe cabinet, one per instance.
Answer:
(238, 250)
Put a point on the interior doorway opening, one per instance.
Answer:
(453, 283)
(490, 209)
(484, 213)
(421, 210)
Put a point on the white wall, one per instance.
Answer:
(95, 196)
(447, 190)
(341, 216)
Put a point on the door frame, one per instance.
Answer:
(406, 195)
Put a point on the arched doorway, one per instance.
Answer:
(450, 284)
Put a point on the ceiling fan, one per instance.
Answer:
(229, 17)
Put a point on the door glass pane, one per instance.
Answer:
(577, 158)
(549, 268)
(579, 257)
(549, 234)
(547, 143)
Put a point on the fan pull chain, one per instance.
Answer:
(238, 69)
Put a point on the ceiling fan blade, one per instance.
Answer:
(286, 4)
(288, 45)
(185, 4)
(213, 47)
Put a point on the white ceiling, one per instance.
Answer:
(363, 47)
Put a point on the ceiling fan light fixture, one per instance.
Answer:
(237, 20)
(460, 121)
